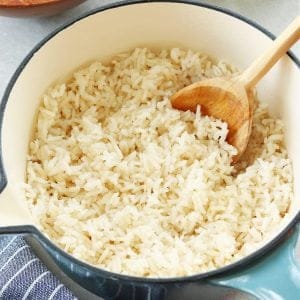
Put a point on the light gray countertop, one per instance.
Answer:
(19, 35)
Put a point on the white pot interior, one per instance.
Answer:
(106, 33)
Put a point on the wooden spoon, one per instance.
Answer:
(231, 99)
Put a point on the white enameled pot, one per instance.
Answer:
(159, 24)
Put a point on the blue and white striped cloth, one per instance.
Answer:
(24, 276)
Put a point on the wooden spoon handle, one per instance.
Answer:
(266, 61)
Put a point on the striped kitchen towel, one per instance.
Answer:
(24, 276)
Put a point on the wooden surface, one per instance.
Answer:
(223, 99)
(30, 8)
(26, 2)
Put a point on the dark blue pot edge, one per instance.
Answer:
(37, 234)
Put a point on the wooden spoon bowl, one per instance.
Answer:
(223, 99)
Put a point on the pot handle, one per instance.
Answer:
(277, 276)
(13, 211)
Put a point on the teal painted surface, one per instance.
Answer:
(274, 277)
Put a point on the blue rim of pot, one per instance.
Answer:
(28, 229)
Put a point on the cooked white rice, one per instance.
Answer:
(119, 179)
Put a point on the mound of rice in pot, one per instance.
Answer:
(119, 179)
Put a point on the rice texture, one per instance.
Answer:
(119, 179)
